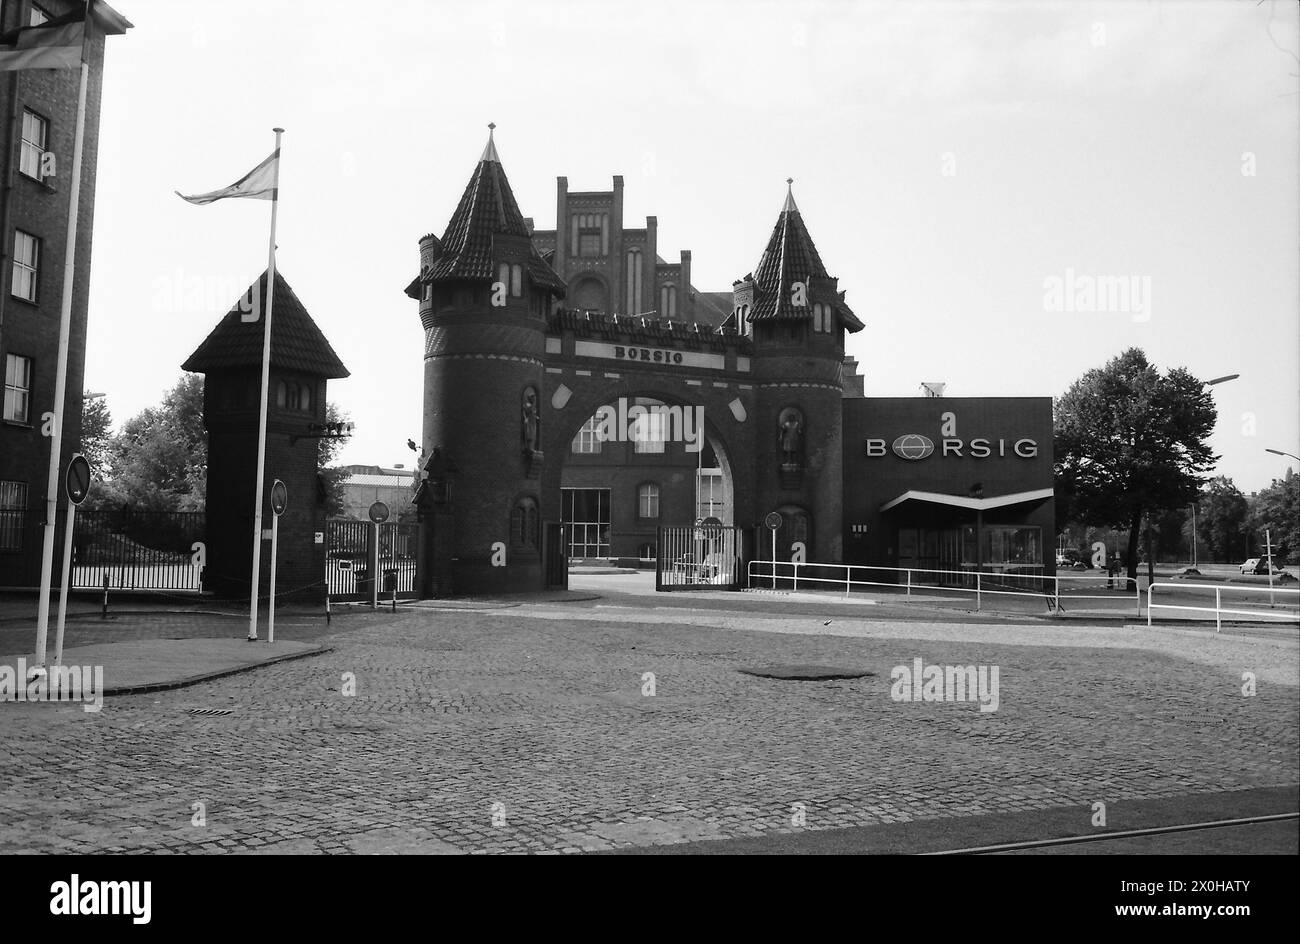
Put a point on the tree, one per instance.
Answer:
(331, 477)
(159, 459)
(1131, 442)
(1277, 509)
(96, 435)
(1221, 522)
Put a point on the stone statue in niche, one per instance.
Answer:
(790, 437)
(531, 431)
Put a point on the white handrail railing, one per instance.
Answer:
(1217, 609)
(904, 579)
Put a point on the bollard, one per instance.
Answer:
(104, 613)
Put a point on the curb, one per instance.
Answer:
(209, 676)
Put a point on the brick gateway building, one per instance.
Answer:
(566, 372)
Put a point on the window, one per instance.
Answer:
(503, 276)
(35, 133)
(817, 317)
(1010, 547)
(587, 442)
(38, 16)
(650, 430)
(13, 504)
(586, 512)
(668, 301)
(18, 388)
(647, 500)
(517, 281)
(590, 234)
(304, 401)
(27, 264)
(281, 396)
(633, 281)
(646, 552)
(523, 524)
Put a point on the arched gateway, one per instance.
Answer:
(523, 392)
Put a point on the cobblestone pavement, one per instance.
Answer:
(528, 728)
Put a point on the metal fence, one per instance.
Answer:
(132, 550)
(1288, 611)
(350, 556)
(706, 557)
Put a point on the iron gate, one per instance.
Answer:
(704, 557)
(350, 555)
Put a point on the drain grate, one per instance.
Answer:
(208, 712)
(807, 673)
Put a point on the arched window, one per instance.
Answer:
(517, 281)
(668, 301)
(523, 524)
(650, 430)
(633, 281)
(281, 394)
(587, 441)
(647, 500)
(503, 274)
(817, 317)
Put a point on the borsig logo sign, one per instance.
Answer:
(916, 446)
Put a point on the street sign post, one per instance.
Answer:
(378, 515)
(76, 482)
(773, 522)
(279, 502)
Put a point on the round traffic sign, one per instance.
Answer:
(279, 497)
(773, 520)
(77, 481)
(378, 512)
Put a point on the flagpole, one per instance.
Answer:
(61, 368)
(261, 416)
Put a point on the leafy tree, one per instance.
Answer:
(96, 436)
(330, 476)
(1131, 442)
(158, 461)
(1277, 508)
(1222, 528)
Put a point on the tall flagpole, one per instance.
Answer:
(61, 368)
(261, 416)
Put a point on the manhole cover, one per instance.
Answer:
(206, 712)
(807, 673)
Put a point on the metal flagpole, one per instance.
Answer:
(61, 368)
(261, 416)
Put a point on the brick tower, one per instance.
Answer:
(302, 361)
(797, 317)
(484, 294)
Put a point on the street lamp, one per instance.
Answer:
(1279, 452)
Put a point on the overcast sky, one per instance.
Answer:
(962, 167)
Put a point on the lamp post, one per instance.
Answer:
(1279, 452)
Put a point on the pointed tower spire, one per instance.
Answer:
(490, 152)
(789, 197)
(487, 210)
(791, 257)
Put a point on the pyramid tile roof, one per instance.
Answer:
(791, 256)
(487, 207)
(296, 341)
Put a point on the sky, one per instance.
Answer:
(1010, 193)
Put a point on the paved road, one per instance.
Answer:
(529, 728)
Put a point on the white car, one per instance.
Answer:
(1249, 566)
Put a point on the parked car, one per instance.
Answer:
(1259, 567)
